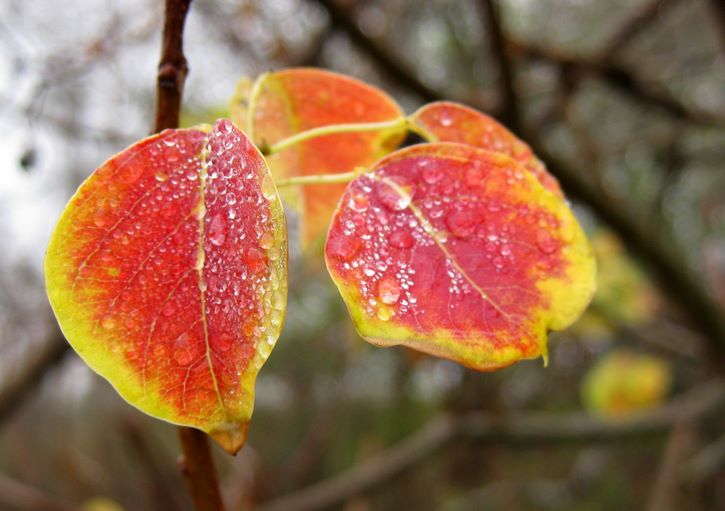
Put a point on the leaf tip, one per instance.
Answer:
(231, 439)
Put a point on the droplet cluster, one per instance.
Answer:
(451, 239)
(245, 254)
(176, 252)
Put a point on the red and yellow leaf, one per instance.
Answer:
(288, 102)
(458, 252)
(445, 121)
(167, 272)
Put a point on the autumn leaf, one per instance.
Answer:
(624, 382)
(291, 101)
(446, 121)
(458, 252)
(167, 272)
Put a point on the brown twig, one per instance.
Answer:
(509, 111)
(198, 469)
(520, 427)
(16, 387)
(637, 21)
(382, 56)
(621, 79)
(718, 9)
(197, 463)
(172, 66)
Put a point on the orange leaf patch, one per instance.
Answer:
(288, 102)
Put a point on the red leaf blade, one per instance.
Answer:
(460, 253)
(167, 273)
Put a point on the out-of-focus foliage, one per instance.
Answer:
(624, 295)
(624, 382)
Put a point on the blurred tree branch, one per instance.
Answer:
(395, 67)
(19, 383)
(509, 110)
(515, 427)
(22, 496)
(638, 20)
(669, 266)
(619, 78)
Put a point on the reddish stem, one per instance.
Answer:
(197, 463)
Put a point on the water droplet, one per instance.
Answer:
(255, 260)
(183, 356)
(432, 172)
(445, 119)
(358, 203)
(401, 239)
(546, 243)
(161, 176)
(393, 199)
(384, 313)
(389, 290)
(231, 199)
(462, 223)
(474, 176)
(102, 217)
(217, 231)
(266, 240)
(499, 262)
(343, 248)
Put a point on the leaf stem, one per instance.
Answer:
(320, 179)
(198, 465)
(252, 105)
(334, 129)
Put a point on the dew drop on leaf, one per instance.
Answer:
(343, 248)
(432, 172)
(255, 260)
(388, 290)
(217, 230)
(401, 239)
(384, 313)
(392, 199)
(545, 241)
(462, 223)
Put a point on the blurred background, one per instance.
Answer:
(623, 99)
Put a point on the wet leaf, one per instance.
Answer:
(624, 382)
(460, 253)
(446, 121)
(167, 273)
(294, 100)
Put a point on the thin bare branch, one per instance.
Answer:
(638, 21)
(509, 110)
(519, 427)
(19, 384)
(392, 65)
(621, 79)
(197, 464)
(19, 495)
